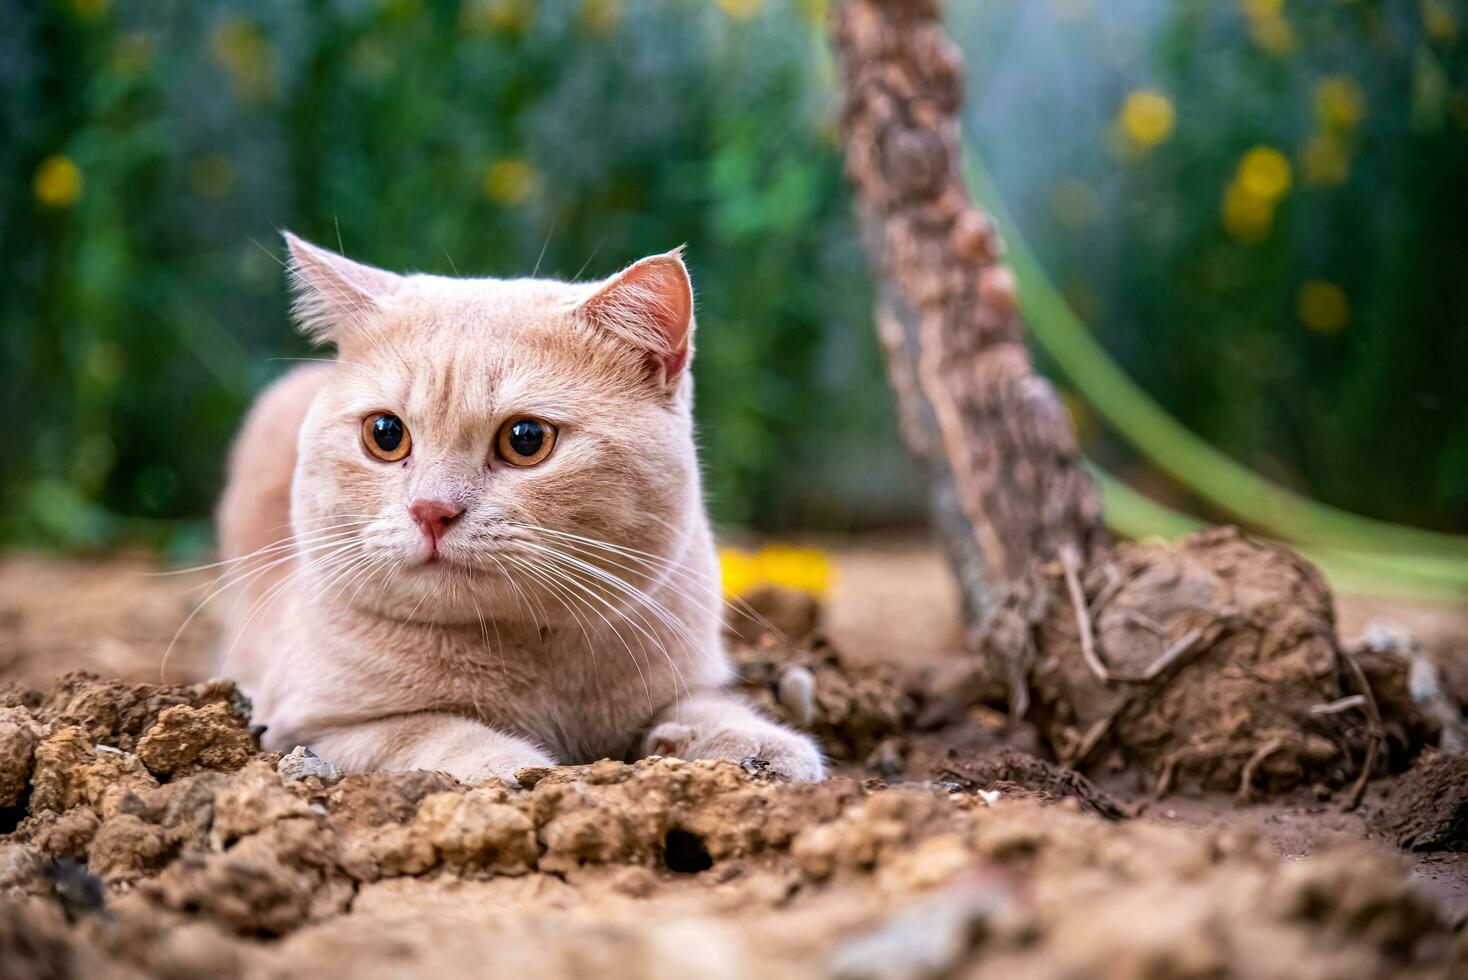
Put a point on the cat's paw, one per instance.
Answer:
(500, 762)
(789, 754)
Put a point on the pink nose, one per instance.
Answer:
(433, 517)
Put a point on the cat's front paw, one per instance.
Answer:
(788, 753)
(500, 760)
(503, 765)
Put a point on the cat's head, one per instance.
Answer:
(483, 444)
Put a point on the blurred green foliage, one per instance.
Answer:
(146, 303)
(1261, 209)
(1304, 308)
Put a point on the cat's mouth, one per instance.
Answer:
(437, 561)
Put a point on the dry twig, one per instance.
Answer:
(1170, 657)
(1071, 564)
(1373, 732)
(1246, 778)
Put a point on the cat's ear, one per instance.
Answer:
(334, 295)
(650, 303)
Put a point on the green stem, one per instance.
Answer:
(1204, 470)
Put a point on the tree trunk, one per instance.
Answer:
(1009, 486)
(1214, 654)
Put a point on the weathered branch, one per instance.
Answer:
(1010, 490)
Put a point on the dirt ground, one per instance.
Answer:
(142, 833)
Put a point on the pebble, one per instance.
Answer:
(302, 762)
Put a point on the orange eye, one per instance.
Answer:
(525, 441)
(386, 437)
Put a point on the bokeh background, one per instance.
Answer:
(1258, 207)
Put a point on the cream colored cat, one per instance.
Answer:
(475, 541)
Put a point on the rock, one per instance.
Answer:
(70, 770)
(184, 737)
(796, 693)
(479, 830)
(126, 847)
(928, 938)
(119, 713)
(302, 763)
(62, 835)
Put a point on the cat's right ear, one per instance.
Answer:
(333, 294)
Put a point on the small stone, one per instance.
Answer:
(302, 763)
(887, 759)
(929, 938)
(796, 694)
(757, 768)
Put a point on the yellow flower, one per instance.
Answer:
(1265, 173)
(241, 49)
(1249, 203)
(1247, 217)
(1268, 27)
(1326, 161)
(741, 9)
(1339, 102)
(58, 182)
(1146, 118)
(804, 569)
(738, 571)
(508, 181)
(601, 16)
(1438, 18)
(508, 16)
(814, 11)
(1323, 306)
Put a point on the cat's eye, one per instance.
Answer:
(525, 441)
(386, 437)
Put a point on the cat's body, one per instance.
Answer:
(465, 606)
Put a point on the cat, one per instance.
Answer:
(474, 541)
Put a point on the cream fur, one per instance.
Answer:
(490, 658)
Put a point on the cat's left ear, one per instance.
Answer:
(650, 303)
(334, 295)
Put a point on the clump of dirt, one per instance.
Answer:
(188, 864)
(789, 614)
(1427, 809)
(120, 713)
(792, 671)
(1016, 774)
(18, 738)
(1212, 660)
